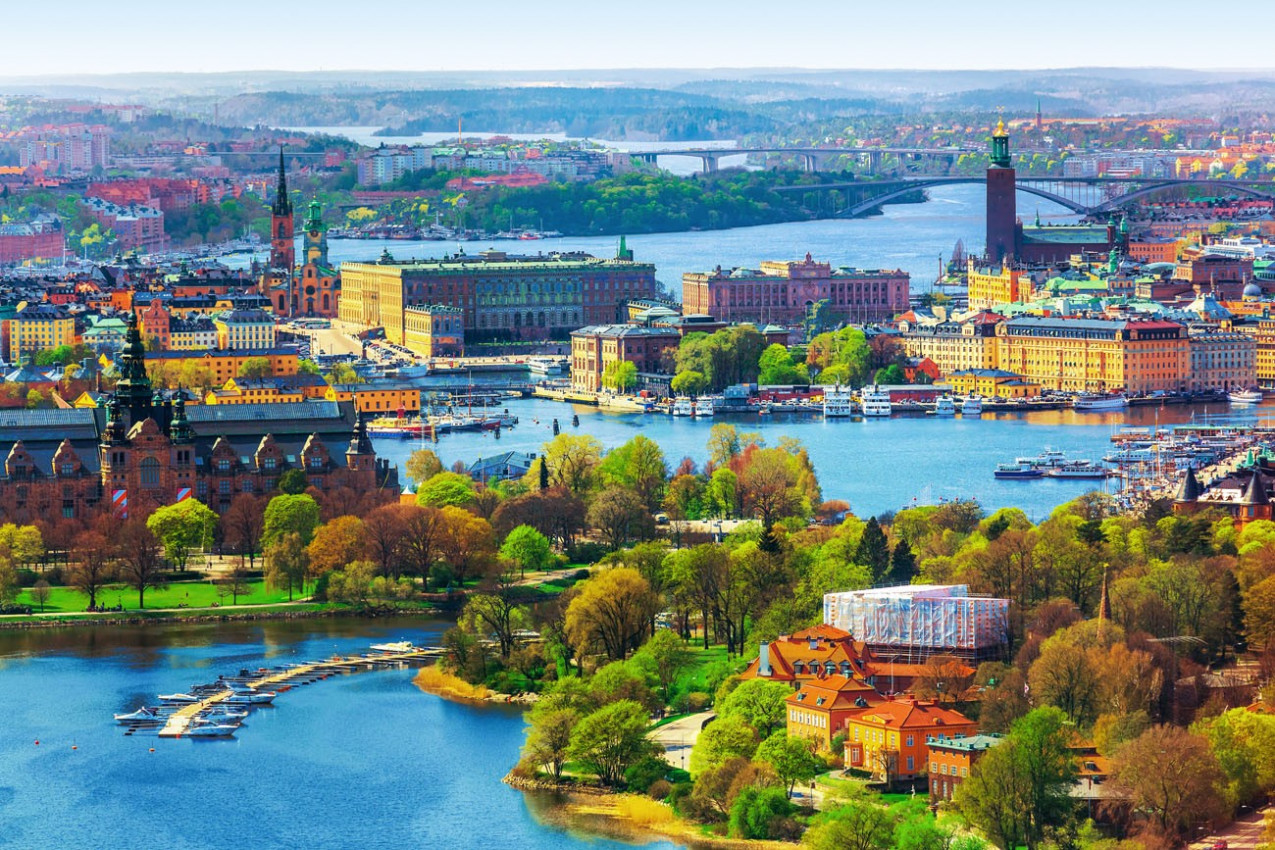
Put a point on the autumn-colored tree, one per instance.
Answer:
(422, 465)
(286, 562)
(465, 542)
(243, 524)
(1171, 776)
(336, 543)
(619, 516)
(1064, 676)
(92, 564)
(138, 553)
(611, 613)
(386, 537)
(943, 677)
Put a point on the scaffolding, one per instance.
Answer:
(914, 622)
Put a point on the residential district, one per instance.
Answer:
(1033, 684)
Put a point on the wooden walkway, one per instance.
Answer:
(178, 722)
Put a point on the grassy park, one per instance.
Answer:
(188, 594)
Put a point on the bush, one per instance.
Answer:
(14, 608)
(27, 578)
(660, 789)
(587, 552)
(321, 587)
(677, 776)
(642, 774)
(760, 813)
(691, 703)
(441, 576)
(508, 682)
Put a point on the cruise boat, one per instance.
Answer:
(704, 407)
(547, 366)
(836, 402)
(972, 405)
(1252, 395)
(944, 406)
(683, 406)
(876, 401)
(1098, 401)
(1018, 469)
(142, 715)
(1078, 469)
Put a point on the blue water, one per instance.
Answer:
(359, 761)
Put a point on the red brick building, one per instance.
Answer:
(41, 239)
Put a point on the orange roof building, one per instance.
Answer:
(890, 740)
(813, 653)
(818, 709)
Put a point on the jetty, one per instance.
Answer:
(177, 723)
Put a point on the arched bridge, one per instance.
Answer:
(1083, 195)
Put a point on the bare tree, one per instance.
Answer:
(140, 560)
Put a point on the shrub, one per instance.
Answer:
(27, 578)
(441, 576)
(660, 789)
(759, 813)
(691, 703)
(642, 774)
(587, 552)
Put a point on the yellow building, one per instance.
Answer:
(1096, 355)
(434, 331)
(223, 365)
(1265, 336)
(38, 327)
(991, 383)
(954, 346)
(377, 398)
(239, 329)
(255, 391)
(991, 287)
(891, 740)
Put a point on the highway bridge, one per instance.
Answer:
(812, 158)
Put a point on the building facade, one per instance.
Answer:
(38, 327)
(954, 346)
(240, 329)
(990, 287)
(1221, 359)
(890, 741)
(595, 347)
(952, 757)
(434, 330)
(784, 292)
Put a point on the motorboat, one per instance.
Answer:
(547, 366)
(876, 401)
(210, 730)
(222, 714)
(395, 646)
(1086, 469)
(178, 698)
(944, 406)
(255, 698)
(1018, 469)
(683, 406)
(1252, 395)
(704, 407)
(972, 406)
(142, 715)
(1099, 401)
(837, 403)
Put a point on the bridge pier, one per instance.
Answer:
(809, 162)
(874, 162)
(710, 163)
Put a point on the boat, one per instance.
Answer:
(395, 646)
(209, 730)
(255, 698)
(547, 366)
(972, 405)
(1099, 401)
(944, 406)
(1078, 469)
(683, 406)
(704, 407)
(142, 715)
(876, 401)
(1018, 469)
(220, 713)
(836, 402)
(1252, 395)
(178, 698)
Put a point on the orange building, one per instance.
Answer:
(952, 758)
(818, 710)
(377, 398)
(815, 653)
(890, 740)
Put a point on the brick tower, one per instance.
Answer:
(1002, 211)
(282, 247)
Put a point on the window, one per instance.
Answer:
(150, 472)
(911, 764)
(223, 487)
(223, 464)
(67, 468)
(909, 740)
(270, 462)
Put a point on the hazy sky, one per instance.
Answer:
(86, 36)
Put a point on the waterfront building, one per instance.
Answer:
(991, 383)
(1264, 336)
(1096, 355)
(891, 740)
(819, 708)
(595, 347)
(952, 757)
(143, 450)
(224, 365)
(953, 344)
(239, 329)
(434, 330)
(990, 287)
(783, 292)
(283, 389)
(506, 466)
(502, 296)
(379, 397)
(1221, 359)
(38, 327)
(914, 622)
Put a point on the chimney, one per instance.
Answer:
(763, 660)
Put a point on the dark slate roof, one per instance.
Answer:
(1189, 489)
(1255, 491)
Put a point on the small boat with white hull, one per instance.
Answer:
(1252, 395)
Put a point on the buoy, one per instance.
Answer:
(152, 749)
(37, 742)
(74, 747)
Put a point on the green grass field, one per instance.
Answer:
(193, 594)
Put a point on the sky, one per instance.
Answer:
(91, 36)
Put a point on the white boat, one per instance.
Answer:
(683, 406)
(223, 714)
(546, 366)
(209, 730)
(972, 405)
(837, 403)
(1252, 395)
(876, 401)
(944, 406)
(178, 698)
(1097, 401)
(1078, 469)
(395, 646)
(256, 698)
(142, 715)
(704, 407)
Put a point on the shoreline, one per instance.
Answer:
(14, 623)
(432, 680)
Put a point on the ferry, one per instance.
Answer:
(1087, 402)
(944, 406)
(1252, 395)
(972, 406)
(1018, 469)
(876, 401)
(683, 406)
(837, 403)
(547, 366)
(1086, 469)
(704, 407)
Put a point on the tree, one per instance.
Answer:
(40, 593)
(549, 739)
(93, 565)
(422, 528)
(1171, 776)
(1259, 612)
(182, 527)
(759, 703)
(140, 565)
(610, 739)
(777, 483)
(572, 459)
(873, 551)
(1064, 676)
(723, 443)
(289, 514)
(387, 536)
(293, 482)
(619, 515)
(446, 488)
(760, 813)
(891, 375)
(640, 465)
(255, 368)
(336, 543)
(725, 738)
(242, 525)
(902, 564)
(620, 375)
(286, 561)
(465, 542)
(352, 585)
(792, 758)
(496, 614)
(666, 657)
(858, 825)
(689, 382)
(422, 465)
(527, 548)
(777, 367)
(611, 612)
(235, 583)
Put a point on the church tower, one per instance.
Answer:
(1002, 212)
(314, 241)
(282, 247)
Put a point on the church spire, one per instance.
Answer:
(282, 203)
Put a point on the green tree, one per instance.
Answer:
(777, 367)
(665, 656)
(725, 738)
(287, 561)
(689, 382)
(610, 739)
(640, 465)
(760, 813)
(891, 375)
(759, 703)
(255, 368)
(572, 460)
(293, 482)
(423, 464)
(291, 514)
(182, 527)
(857, 825)
(793, 758)
(549, 738)
(446, 488)
(620, 375)
(873, 551)
(527, 548)
(496, 614)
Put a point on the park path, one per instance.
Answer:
(679, 736)
(1243, 834)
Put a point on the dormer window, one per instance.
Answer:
(315, 461)
(67, 468)
(223, 464)
(270, 462)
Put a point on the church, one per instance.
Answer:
(141, 449)
(314, 289)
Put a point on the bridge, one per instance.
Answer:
(812, 158)
(1088, 196)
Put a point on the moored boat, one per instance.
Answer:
(1252, 395)
(972, 406)
(836, 402)
(944, 406)
(704, 407)
(1017, 469)
(142, 715)
(1086, 469)
(178, 698)
(1099, 401)
(876, 401)
(683, 406)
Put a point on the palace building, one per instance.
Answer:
(142, 450)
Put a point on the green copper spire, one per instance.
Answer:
(1000, 146)
(314, 218)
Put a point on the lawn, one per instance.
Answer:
(192, 594)
(704, 660)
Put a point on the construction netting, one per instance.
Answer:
(938, 616)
